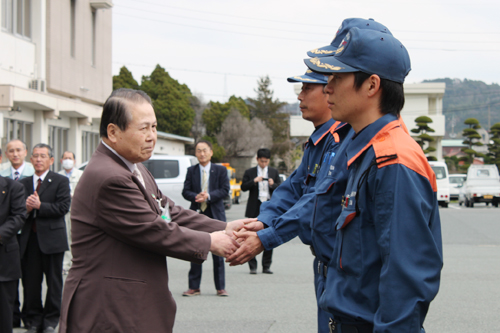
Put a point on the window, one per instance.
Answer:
(440, 172)
(72, 27)
(15, 129)
(90, 141)
(483, 173)
(162, 168)
(58, 140)
(16, 17)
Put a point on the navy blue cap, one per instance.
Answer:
(309, 77)
(346, 25)
(368, 51)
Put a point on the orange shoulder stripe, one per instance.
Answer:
(376, 138)
(331, 131)
(397, 142)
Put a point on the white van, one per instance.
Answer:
(443, 183)
(482, 185)
(456, 183)
(169, 172)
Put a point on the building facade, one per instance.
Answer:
(55, 73)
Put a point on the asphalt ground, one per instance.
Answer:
(468, 300)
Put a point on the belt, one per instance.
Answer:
(336, 327)
(312, 250)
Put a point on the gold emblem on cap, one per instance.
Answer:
(317, 62)
(318, 51)
(340, 49)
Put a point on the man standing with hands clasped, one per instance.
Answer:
(43, 241)
(206, 186)
(261, 181)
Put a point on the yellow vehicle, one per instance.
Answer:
(235, 186)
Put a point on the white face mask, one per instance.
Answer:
(67, 164)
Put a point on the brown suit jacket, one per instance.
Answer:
(119, 281)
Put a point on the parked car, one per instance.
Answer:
(169, 172)
(482, 185)
(443, 184)
(456, 184)
(282, 177)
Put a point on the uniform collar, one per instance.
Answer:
(363, 139)
(320, 132)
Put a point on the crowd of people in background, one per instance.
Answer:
(37, 230)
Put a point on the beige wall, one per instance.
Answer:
(77, 76)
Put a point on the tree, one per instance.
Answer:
(471, 137)
(267, 109)
(216, 113)
(171, 102)
(422, 129)
(198, 129)
(124, 80)
(240, 136)
(494, 146)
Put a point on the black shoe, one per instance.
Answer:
(253, 271)
(16, 323)
(267, 271)
(49, 329)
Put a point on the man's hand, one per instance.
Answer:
(250, 247)
(254, 226)
(201, 197)
(257, 179)
(33, 201)
(236, 225)
(222, 245)
(270, 181)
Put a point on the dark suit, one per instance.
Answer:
(253, 205)
(218, 189)
(42, 250)
(12, 215)
(118, 281)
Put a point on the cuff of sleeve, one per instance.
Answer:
(269, 238)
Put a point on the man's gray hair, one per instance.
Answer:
(44, 145)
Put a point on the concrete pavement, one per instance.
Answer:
(285, 301)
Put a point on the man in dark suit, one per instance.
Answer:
(261, 181)
(43, 241)
(12, 215)
(206, 186)
(123, 227)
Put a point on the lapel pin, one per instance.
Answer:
(50, 180)
(3, 192)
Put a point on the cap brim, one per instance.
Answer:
(324, 51)
(308, 79)
(328, 65)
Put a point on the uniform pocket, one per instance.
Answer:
(57, 225)
(348, 244)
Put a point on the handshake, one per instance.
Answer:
(239, 242)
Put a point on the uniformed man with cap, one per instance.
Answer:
(311, 211)
(387, 258)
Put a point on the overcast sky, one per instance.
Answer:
(220, 48)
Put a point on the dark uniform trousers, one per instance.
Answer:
(196, 269)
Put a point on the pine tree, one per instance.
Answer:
(422, 129)
(124, 80)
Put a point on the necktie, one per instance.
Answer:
(16, 175)
(138, 174)
(204, 184)
(33, 226)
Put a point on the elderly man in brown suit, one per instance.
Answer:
(123, 227)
